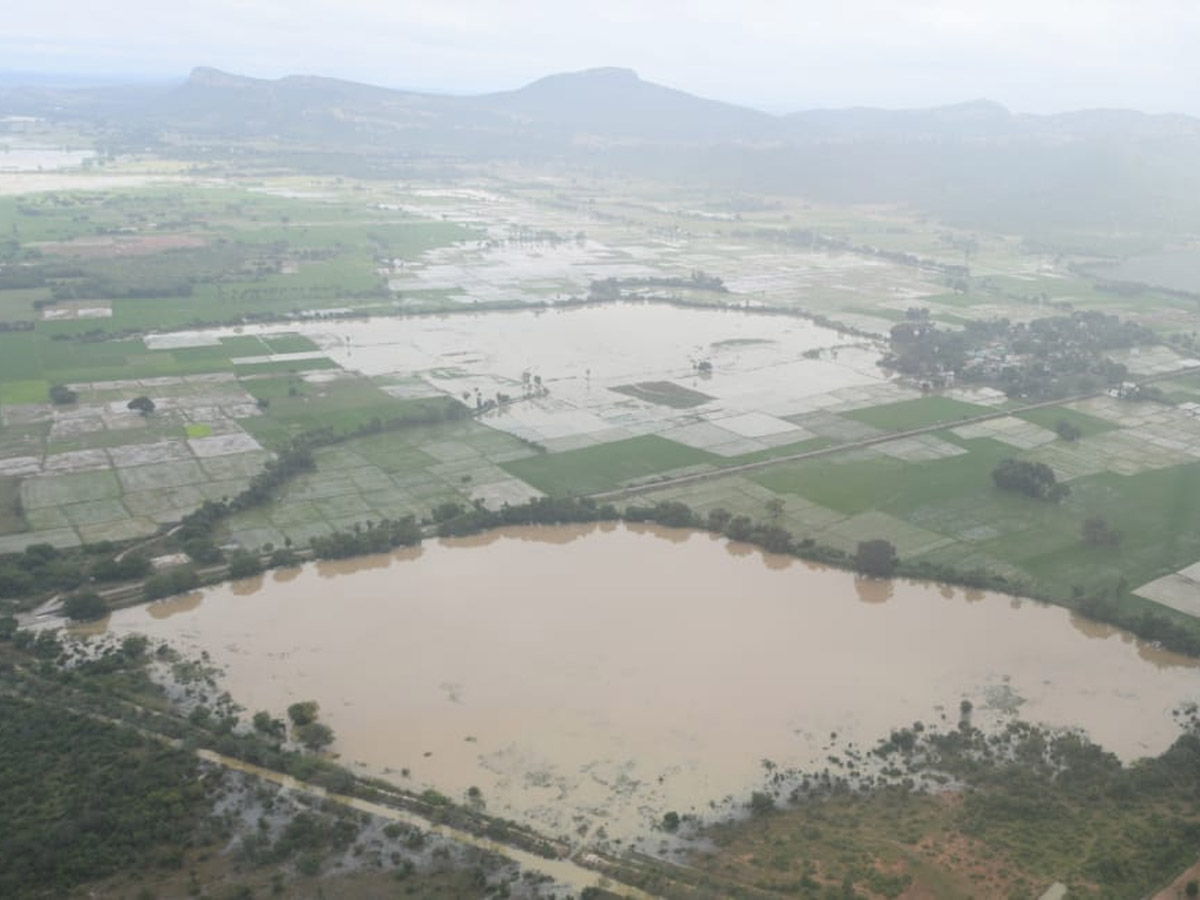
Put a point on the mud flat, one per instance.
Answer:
(601, 675)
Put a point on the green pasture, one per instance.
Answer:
(16, 392)
(16, 304)
(919, 413)
(32, 361)
(664, 393)
(859, 481)
(296, 406)
(1182, 389)
(262, 254)
(404, 472)
(1050, 416)
(607, 466)
(288, 342)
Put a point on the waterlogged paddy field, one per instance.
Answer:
(590, 677)
(624, 403)
(607, 397)
(622, 370)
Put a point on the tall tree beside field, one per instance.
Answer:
(142, 404)
(876, 558)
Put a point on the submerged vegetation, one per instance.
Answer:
(966, 812)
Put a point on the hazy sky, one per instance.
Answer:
(1031, 55)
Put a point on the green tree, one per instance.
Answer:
(761, 803)
(876, 558)
(61, 395)
(1096, 532)
(85, 606)
(303, 713)
(1067, 430)
(314, 735)
(243, 564)
(1033, 479)
(142, 404)
(267, 724)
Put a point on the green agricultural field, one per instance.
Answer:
(291, 366)
(13, 392)
(1184, 389)
(344, 404)
(665, 393)
(593, 469)
(407, 471)
(919, 413)
(855, 483)
(289, 343)
(16, 304)
(1050, 416)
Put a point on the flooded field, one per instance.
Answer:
(599, 676)
(764, 368)
(17, 156)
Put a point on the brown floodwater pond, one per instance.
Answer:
(605, 674)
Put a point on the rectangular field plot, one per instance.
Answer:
(834, 427)
(60, 490)
(14, 392)
(76, 461)
(918, 413)
(237, 466)
(1176, 591)
(664, 393)
(1050, 417)
(910, 540)
(1009, 430)
(58, 537)
(130, 455)
(93, 512)
(495, 494)
(605, 467)
(162, 475)
(369, 479)
(921, 448)
(46, 518)
(343, 506)
(223, 445)
(164, 504)
(120, 530)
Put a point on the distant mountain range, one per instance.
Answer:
(976, 162)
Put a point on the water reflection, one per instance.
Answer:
(874, 590)
(777, 561)
(673, 535)
(1093, 629)
(244, 587)
(335, 568)
(283, 576)
(94, 628)
(173, 606)
(540, 534)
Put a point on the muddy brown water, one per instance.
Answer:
(601, 675)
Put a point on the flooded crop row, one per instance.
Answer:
(602, 675)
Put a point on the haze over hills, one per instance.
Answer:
(976, 163)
